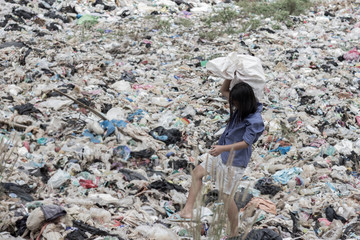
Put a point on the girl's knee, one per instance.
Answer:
(198, 172)
(226, 197)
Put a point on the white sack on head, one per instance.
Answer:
(238, 68)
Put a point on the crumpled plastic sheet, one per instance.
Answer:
(259, 234)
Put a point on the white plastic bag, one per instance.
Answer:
(157, 232)
(238, 68)
(101, 215)
(58, 179)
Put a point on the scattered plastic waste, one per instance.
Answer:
(107, 106)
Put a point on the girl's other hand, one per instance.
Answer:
(216, 150)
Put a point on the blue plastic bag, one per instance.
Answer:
(284, 176)
(109, 126)
(282, 150)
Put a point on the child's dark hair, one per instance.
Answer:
(242, 95)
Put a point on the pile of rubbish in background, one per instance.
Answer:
(106, 107)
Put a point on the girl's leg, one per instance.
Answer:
(197, 175)
(233, 214)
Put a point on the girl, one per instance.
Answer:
(243, 129)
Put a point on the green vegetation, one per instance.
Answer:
(276, 27)
(184, 22)
(85, 27)
(228, 20)
(279, 10)
(250, 25)
(226, 16)
(250, 16)
(210, 34)
(162, 25)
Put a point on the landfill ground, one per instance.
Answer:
(107, 106)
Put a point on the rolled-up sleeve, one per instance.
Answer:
(254, 128)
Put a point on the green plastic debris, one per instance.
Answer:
(33, 205)
(330, 151)
(85, 175)
(217, 117)
(183, 233)
(87, 19)
(203, 63)
(132, 143)
(76, 183)
(110, 238)
(42, 141)
(260, 218)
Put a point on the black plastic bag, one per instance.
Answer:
(83, 227)
(165, 186)
(146, 153)
(331, 215)
(168, 136)
(22, 191)
(26, 109)
(130, 175)
(266, 186)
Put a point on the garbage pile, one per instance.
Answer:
(104, 115)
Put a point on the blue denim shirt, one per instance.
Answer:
(248, 130)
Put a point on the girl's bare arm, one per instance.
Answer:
(218, 149)
(225, 88)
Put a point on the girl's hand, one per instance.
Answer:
(216, 150)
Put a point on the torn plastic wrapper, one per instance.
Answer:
(123, 152)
